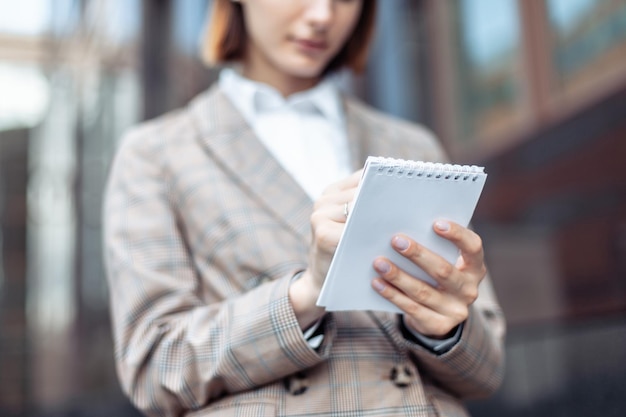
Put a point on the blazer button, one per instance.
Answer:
(264, 279)
(297, 384)
(401, 376)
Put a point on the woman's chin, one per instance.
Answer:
(305, 73)
(305, 68)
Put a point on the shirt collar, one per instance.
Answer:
(250, 97)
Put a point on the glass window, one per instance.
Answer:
(64, 18)
(188, 23)
(488, 57)
(25, 96)
(26, 17)
(118, 20)
(588, 41)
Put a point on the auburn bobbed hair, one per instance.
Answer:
(225, 38)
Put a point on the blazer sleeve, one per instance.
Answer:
(174, 351)
(474, 367)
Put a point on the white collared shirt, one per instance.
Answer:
(305, 132)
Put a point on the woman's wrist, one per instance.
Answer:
(303, 293)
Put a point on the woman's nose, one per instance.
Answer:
(320, 13)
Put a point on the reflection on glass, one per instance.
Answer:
(24, 96)
(51, 225)
(188, 21)
(589, 39)
(120, 20)
(26, 17)
(488, 55)
(65, 17)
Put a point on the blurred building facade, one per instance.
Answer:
(535, 90)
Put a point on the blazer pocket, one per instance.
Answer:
(257, 409)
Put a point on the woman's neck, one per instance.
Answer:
(286, 85)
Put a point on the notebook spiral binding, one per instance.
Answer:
(432, 170)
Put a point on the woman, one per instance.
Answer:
(216, 252)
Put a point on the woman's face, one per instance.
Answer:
(295, 38)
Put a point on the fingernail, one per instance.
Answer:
(378, 285)
(443, 226)
(400, 243)
(382, 266)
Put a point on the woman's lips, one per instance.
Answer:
(311, 46)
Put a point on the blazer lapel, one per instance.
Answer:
(356, 134)
(364, 139)
(225, 134)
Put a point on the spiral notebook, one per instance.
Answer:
(397, 196)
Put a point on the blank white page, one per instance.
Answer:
(397, 196)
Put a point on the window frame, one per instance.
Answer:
(543, 103)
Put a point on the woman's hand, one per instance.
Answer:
(327, 222)
(434, 311)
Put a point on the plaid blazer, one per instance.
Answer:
(204, 231)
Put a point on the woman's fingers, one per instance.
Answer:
(434, 310)
(468, 242)
(444, 273)
(405, 290)
(340, 192)
(327, 222)
(422, 317)
(450, 277)
(352, 181)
